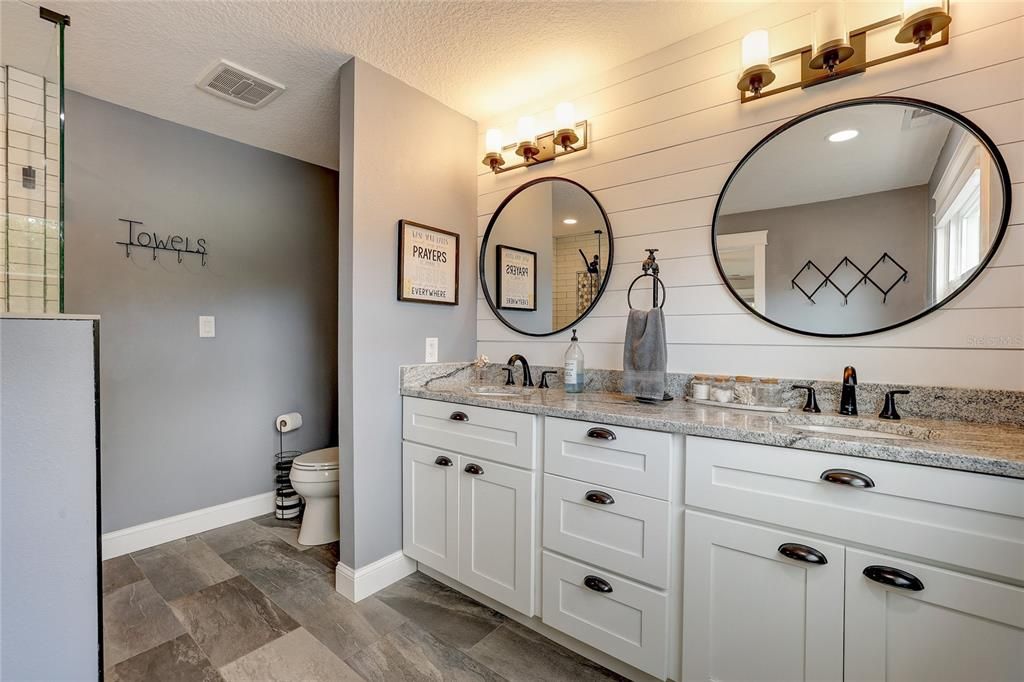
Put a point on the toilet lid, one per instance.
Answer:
(317, 460)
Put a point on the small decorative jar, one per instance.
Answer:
(700, 387)
(479, 375)
(721, 389)
(769, 392)
(744, 390)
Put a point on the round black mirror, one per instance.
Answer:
(861, 216)
(546, 256)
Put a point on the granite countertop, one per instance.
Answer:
(995, 449)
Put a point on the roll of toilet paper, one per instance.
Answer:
(288, 422)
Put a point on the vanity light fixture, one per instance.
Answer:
(757, 70)
(921, 20)
(492, 146)
(843, 135)
(569, 136)
(836, 53)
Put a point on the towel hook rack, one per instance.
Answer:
(651, 269)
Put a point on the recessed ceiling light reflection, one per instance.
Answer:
(843, 135)
(569, 221)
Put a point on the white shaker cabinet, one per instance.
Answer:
(496, 532)
(907, 621)
(430, 512)
(760, 604)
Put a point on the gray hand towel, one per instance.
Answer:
(645, 356)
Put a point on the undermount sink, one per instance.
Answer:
(494, 390)
(847, 431)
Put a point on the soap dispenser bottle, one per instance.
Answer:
(574, 373)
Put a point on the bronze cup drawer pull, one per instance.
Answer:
(894, 577)
(847, 477)
(458, 416)
(474, 469)
(443, 461)
(798, 552)
(599, 497)
(597, 584)
(601, 433)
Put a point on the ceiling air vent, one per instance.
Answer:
(234, 83)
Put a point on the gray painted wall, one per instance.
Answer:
(392, 167)
(187, 423)
(48, 556)
(860, 227)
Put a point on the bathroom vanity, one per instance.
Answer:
(696, 543)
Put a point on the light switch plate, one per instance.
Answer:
(207, 328)
(431, 349)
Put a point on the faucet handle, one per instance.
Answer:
(544, 377)
(812, 398)
(509, 381)
(889, 409)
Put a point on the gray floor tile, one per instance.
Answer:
(522, 655)
(327, 554)
(182, 567)
(296, 656)
(342, 626)
(178, 660)
(271, 521)
(118, 572)
(273, 565)
(450, 616)
(289, 535)
(226, 538)
(135, 618)
(410, 653)
(231, 618)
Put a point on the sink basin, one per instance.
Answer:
(847, 431)
(495, 390)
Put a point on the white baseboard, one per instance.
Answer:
(145, 535)
(357, 584)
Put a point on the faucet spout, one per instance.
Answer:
(527, 377)
(848, 397)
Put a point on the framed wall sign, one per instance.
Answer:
(517, 278)
(428, 264)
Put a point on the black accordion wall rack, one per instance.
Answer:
(865, 278)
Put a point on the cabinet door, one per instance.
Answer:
(430, 507)
(496, 534)
(750, 612)
(945, 626)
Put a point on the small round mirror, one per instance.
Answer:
(546, 256)
(861, 216)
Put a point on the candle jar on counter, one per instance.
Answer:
(721, 389)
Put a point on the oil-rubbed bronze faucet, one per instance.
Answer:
(848, 398)
(527, 378)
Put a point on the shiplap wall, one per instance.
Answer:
(666, 131)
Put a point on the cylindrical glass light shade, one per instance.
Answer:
(756, 49)
(492, 143)
(829, 25)
(565, 116)
(526, 129)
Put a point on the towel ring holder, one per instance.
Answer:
(657, 283)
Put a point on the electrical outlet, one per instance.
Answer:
(431, 349)
(207, 328)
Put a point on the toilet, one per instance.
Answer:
(314, 476)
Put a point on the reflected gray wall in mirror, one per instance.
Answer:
(554, 219)
(893, 184)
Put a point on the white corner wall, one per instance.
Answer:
(666, 132)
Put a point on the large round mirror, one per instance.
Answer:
(546, 255)
(861, 216)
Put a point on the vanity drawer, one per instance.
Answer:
(626, 620)
(964, 519)
(633, 460)
(616, 530)
(497, 435)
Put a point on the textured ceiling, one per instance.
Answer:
(479, 57)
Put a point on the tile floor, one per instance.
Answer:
(247, 602)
